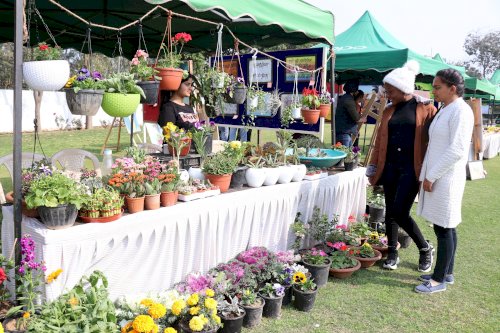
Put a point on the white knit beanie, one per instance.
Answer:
(403, 78)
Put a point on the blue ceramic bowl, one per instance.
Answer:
(332, 157)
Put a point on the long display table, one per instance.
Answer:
(153, 250)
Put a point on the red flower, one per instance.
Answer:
(182, 37)
(343, 248)
(43, 47)
(3, 277)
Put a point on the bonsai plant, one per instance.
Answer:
(146, 76)
(168, 66)
(86, 96)
(305, 291)
(46, 71)
(122, 95)
(57, 199)
(310, 105)
(231, 314)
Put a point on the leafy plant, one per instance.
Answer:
(340, 259)
(365, 251)
(138, 155)
(272, 290)
(140, 68)
(249, 297)
(314, 257)
(54, 190)
(5, 266)
(360, 229)
(325, 97)
(46, 52)
(319, 225)
(84, 79)
(122, 83)
(375, 198)
(300, 231)
(152, 186)
(285, 140)
(219, 164)
(228, 309)
(173, 59)
(254, 92)
(302, 283)
(310, 99)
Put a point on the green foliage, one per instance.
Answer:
(139, 155)
(219, 164)
(375, 198)
(45, 52)
(152, 187)
(307, 285)
(228, 309)
(54, 190)
(248, 297)
(341, 260)
(122, 83)
(484, 51)
(319, 225)
(360, 229)
(300, 231)
(85, 308)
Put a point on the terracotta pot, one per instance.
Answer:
(168, 198)
(170, 78)
(134, 205)
(184, 150)
(344, 273)
(33, 212)
(310, 116)
(222, 181)
(152, 201)
(324, 110)
(369, 262)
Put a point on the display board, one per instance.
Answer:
(267, 76)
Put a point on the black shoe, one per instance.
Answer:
(426, 258)
(392, 261)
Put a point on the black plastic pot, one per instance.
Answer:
(60, 217)
(319, 272)
(253, 315)
(272, 308)
(238, 179)
(288, 296)
(376, 214)
(304, 300)
(239, 95)
(404, 239)
(349, 166)
(150, 90)
(232, 325)
(84, 103)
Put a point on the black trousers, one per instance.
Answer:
(400, 188)
(447, 246)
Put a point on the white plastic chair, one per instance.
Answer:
(74, 160)
(150, 148)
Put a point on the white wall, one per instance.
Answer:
(53, 105)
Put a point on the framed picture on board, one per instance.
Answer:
(261, 71)
(307, 62)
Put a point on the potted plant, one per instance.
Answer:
(200, 313)
(376, 205)
(256, 100)
(310, 105)
(152, 190)
(178, 141)
(6, 265)
(135, 190)
(273, 294)
(285, 141)
(300, 168)
(325, 100)
(47, 71)
(305, 291)
(351, 159)
(379, 243)
(343, 265)
(318, 264)
(57, 199)
(232, 315)
(168, 66)
(146, 76)
(122, 95)
(365, 254)
(218, 169)
(359, 229)
(253, 306)
(271, 165)
(237, 91)
(236, 149)
(255, 174)
(201, 136)
(84, 92)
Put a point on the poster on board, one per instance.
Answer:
(307, 62)
(261, 70)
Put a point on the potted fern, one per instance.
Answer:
(122, 95)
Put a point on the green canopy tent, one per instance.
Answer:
(259, 23)
(368, 51)
(495, 79)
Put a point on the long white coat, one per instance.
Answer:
(444, 165)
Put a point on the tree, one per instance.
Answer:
(469, 69)
(484, 50)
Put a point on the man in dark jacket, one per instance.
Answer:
(346, 114)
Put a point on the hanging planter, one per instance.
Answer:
(311, 117)
(324, 110)
(150, 89)
(85, 102)
(120, 105)
(46, 75)
(170, 78)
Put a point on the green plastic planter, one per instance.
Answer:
(120, 105)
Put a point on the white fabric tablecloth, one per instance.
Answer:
(153, 250)
(491, 145)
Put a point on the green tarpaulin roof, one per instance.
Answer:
(260, 23)
(495, 79)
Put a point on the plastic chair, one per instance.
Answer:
(26, 160)
(74, 160)
(150, 148)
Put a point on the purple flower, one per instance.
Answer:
(355, 149)
(198, 125)
(279, 290)
(96, 75)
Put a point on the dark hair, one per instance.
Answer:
(351, 86)
(452, 77)
(165, 95)
(189, 76)
(358, 94)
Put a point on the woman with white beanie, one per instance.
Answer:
(397, 158)
(443, 174)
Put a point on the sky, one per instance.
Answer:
(425, 26)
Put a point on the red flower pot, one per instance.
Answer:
(222, 181)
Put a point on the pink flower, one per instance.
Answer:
(134, 62)
(141, 53)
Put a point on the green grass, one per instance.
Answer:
(377, 300)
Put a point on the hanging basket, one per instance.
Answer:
(120, 105)
(150, 89)
(170, 78)
(84, 102)
(310, 116)
(324, 110)
(46, 75)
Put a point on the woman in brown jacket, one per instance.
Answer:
(397, 159)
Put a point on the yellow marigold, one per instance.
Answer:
(196, 324)
(53, 276)
(209, 293)
(155, 329)
(193, 299)
(157, 310)
(126, 327)
(178, 306)
(194, 310)
(235, 144)
(214, 312)
(26, 315)
(143, 324)
(216, 318)
(147, 302)
(210, 303)
(73, 301)
(169, 330)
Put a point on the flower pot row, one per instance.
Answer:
(151, 202)
(257, 177)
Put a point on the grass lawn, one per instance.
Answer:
(377, 300)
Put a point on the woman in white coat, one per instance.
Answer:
(443, 174)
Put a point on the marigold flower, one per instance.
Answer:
(178, 306)
(147, 302)
(210, 303)
(143, 324)
(216, 318)
(26, 315)
(157, 310)
(126, 327)
(193, 299)
(209, 293)
(194, 310)
(169, 330)
(196, 323)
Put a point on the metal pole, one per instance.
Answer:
(132, 130)
(18, 122)
(332, 72)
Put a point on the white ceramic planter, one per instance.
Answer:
(255, 177)
(46, 75)
(184, 175)
(272, 175)
(254, 102)
(196, 173)
(300, 172)
(286, 173)
(296, 113)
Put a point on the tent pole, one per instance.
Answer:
(332, 111)
(18, 122)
